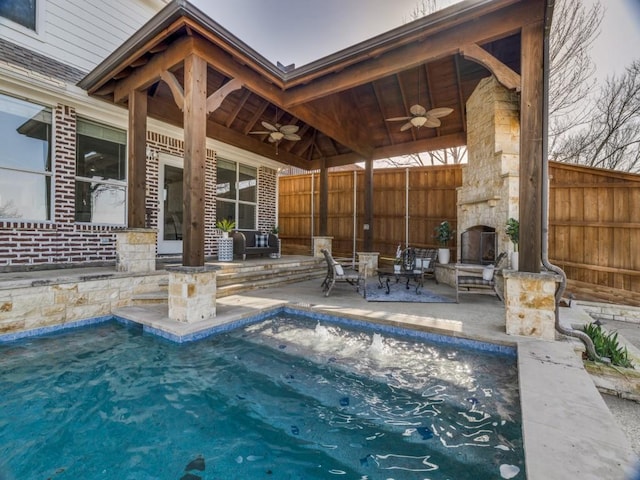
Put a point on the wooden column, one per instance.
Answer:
(531, 133)
(137, 168)
(368, 205)
(195, 120)
(324, 198)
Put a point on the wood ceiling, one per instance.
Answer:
(340, 102)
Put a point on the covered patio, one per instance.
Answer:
(186, 70)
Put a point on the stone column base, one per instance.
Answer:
(319, 243)
(192, 293)
(530, 304)
(136, 250)
(368, 260)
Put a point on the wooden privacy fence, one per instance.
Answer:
(594, 219)
(407, 206)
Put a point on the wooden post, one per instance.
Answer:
(368, 206)
(137, 169)
(195, 121)
(531, 131)
(324, 198)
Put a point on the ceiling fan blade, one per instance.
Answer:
(293, 137)
(272, 140)
(268, 126)
(417, 110)
(439, 112)
(397, 119)
(432, 122)
(288, 129)
(406, 126)
(260, 133)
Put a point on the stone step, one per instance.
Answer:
(235, 288)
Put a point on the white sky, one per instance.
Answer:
(301, 31)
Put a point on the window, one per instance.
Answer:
(20, 11)
(237, 194)
(25, 160)
(100, 173)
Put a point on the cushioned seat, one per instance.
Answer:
(476, 279)
(253, 242)
(340, 273)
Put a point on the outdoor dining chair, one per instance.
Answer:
(341, 273)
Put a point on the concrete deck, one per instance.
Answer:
(568, 430)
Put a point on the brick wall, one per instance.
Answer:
(267, 198)
(62, 241)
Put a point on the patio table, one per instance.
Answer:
(390, 272)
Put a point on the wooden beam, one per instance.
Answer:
(368, 206)
(143, 77)
(507, 77)
(480, 30)
(236, 110)
(176, 89)
(137, 168)
(216, 98)
(328, 117)
(531, 133)
(195, 120)
(324, 198)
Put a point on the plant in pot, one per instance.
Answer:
(444, 234)
(275, 230)
(513, 232)
(397, 262)
(226, 226)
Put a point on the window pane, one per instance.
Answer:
(225, 210)
(247, 215)
(101, 152)
(25, 129)
(20, 11)
(100, 203)
(247, 184)
(226, 187)
(24, 196)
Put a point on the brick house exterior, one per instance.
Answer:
(61, 240)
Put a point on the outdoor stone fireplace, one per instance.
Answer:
(478, 245)
(490, 180)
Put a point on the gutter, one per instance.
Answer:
(549, 6)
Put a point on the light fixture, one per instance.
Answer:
(418, 121)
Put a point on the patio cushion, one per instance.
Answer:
(487, 272)
(262, 241)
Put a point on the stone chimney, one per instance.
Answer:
(488, 196)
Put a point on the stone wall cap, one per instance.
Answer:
(551, 276)
(368, 253)
(187, 269)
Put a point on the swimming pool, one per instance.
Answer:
(284, 398)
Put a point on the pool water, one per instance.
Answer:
(285, 398)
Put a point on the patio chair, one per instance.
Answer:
(470, 279)
(425, 261)
(340, 273)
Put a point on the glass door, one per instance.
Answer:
(170, 215)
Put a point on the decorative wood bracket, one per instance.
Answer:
(213, 101)
(176, 89)
(507, 77)
(216, 98)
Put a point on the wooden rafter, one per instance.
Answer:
(507, 77)
(461, 104)
(238, 107)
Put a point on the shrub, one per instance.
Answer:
(607, 345)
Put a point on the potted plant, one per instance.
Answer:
(226, 226)
(513, 232)
(397, 262)
(443, 235)
(275, 230)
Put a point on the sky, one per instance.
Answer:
(301, 31)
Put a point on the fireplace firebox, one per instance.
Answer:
(478, 245)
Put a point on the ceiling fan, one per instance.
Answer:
(421, 117)
(279, 132)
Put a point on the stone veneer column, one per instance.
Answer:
(529, 300)
(489, 194)
(136, 250)
(321, 242)
(192, 293)
(370, 261)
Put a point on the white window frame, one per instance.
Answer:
(236, 201)
(38, 33)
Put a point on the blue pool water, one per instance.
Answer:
(285, 398)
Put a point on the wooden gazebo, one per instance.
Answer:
(184, 69)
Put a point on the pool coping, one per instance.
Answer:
(568, 431)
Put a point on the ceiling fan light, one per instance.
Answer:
(418, 121)
(277, 136)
